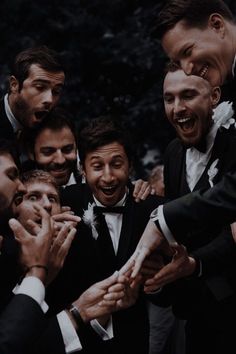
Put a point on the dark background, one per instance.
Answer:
(113, 65)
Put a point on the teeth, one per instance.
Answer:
(203, 71)
(183, 120)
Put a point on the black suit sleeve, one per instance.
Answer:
(204, 208)
(20, 325)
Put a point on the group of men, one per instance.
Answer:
(73, 237)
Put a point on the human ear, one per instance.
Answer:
(14, 84)
(217, 23)
(216, 94)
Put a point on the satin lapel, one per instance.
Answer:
(217, 153)
(126, 231)
(178, 172)
(6, 130)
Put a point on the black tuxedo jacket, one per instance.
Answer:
(6, 130)
(215, 247)
(21, 326)
(86, 264)
(207, 208)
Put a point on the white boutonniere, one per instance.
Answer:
(223, 115)
(89, 218)
(212, 172)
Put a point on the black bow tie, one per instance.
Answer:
(109, 209)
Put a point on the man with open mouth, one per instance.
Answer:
(35, 86)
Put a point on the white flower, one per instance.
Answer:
(223, 115)
(212, 172)
(89, 219)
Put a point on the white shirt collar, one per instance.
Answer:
(120, 203)
(233, 66)
(14, 122)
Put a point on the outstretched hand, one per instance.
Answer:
(34, 250)
(150, 240)
(181, 265)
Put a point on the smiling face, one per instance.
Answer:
(10, 182)
(207, 52)
(39, 193)
(188, 104)
(107, 172)
(40, 92)
(55, 151)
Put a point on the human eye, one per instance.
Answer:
(47, 151)
(57, 91)
(189, 95)
(187, 51)
(13, 174)
(53, 199)
(18, 199)
(33, 197)
(118, 163)
(67, 149)
(168, 99)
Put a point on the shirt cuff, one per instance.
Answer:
(69, 334)
(33, 287)
(158, 217)
(105, 334)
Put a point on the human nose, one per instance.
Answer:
(48, 98)
(107, 174)
(178, 106)
(20, 187)
(187, 66)
(46, 204)
(59, 157)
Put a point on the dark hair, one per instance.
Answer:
(195, 13)
(33, 176)
(101, 131)
(43, 56)
(172, 67)
(56, 119)
(8, 147)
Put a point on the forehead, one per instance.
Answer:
(179, 81)
(40, 187)
(109, 151)
(180, 37)
(6, 162)
(54, 138)
(37, 73)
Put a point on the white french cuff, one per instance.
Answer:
(33, 287)
(70, 337)
(105, 334)
(158, 214)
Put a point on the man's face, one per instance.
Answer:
(55, 151)
(188, 104)
(10, 183)
(203, 52)
(40, 92)
(107, 171)
(39, 193)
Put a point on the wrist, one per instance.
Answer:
(37, 270)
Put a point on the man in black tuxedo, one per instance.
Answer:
(35, 86)
(39, 194)
(106, 237)
(198, 158)
(200, 36)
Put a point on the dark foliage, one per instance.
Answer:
(112, 63)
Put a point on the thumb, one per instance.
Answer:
(19, 231)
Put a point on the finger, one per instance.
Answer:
(137, 185)
(68, 240)
(141, 255)
(66, 217)
(46, 232)
(106, 283)
(107, 303)
(19, 231)
(114, 295)
(116, 287)
(65, 208)
(33, 227)
(128, 266)
(145, 193)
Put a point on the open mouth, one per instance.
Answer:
(186, 124)
(109, 190)
(40, 115)
(204, 71)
